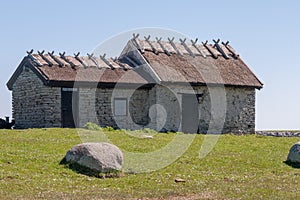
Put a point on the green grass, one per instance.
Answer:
(239, 167)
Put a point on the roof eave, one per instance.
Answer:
(213, 84)
(55, 83)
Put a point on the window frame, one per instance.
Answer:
(126, 106)
(69, 89)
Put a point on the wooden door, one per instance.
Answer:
(69, 107)
(190, 113)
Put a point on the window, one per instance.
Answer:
(69, 89)
(120, 106)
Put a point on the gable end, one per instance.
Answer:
(25, 63)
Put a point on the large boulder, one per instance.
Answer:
(294, 154)
(98, 157)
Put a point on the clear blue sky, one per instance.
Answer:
(265, 33)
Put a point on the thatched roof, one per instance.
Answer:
(84, 70)
(170, 62)
(196, 64)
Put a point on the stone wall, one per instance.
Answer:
(240, 116)
(96, 105)
(221, 109)
(139, 107)
(104, 107)
(165, 109)
(34, 104)
(281, 133)
(87, 106)
(227, 110)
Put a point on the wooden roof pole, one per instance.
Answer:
(33, 58)
(106, 61)
(134, 39)
(62, 55)
(162, 46)
(44, 58)
(186, 47)
(230, 50)
(217, 46)
(90, 56)
(209, 50)
(76, 56)
(151, 45)
(195, 46)
(174, 46)
(55, 59)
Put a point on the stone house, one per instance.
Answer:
(163, 85)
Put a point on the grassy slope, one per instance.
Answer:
(247, 167)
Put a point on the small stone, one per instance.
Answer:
(147, 136)
(294, 154)
(179, 180)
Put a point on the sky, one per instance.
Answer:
(265, 33)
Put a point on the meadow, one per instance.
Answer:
(238, 167)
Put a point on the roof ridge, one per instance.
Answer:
(74, 61)
(186, 47)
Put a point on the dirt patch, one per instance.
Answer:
(205, 195)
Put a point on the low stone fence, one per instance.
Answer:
(279, 133)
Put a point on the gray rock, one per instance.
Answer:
(294, 154)
(99, 157)
(279, 134)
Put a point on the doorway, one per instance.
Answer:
(69, 107)
(190, 113)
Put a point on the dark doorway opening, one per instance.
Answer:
(69, 107)
(190, 113)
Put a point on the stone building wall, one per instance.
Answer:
(34, 104)
(87, 106)
(139, 106)
(221, 109)
(104, 107)
(165, 113)
(240, 116)
(227, 110)
(97, 105)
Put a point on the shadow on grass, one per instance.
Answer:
(89, 172)
(292, 164)
(80, 169)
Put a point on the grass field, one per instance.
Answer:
(239, 167)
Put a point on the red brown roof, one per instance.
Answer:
(176, 68)
(53, 70)
(195, 63)
(174, 62)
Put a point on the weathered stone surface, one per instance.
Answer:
(97, 106)
(279, 133)
(34, 104)
(294, 154)
(99, 157)
(238, 111)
